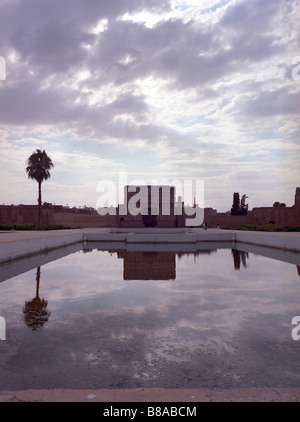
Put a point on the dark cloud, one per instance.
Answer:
(182, 52)
(54, 28)
(52, 38)
(129, 103)
(171, 50)
(278, 102)
(53, 41)
(27, 104)
(33, 13)
(53, 48)
(253, 17)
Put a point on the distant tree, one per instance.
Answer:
(239, 207)
(38, 168)
(243, 205)
(279, 204)
(236, 204)
(47, 204)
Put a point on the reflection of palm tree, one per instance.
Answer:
(35, 312)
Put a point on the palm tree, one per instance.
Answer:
(38, 168)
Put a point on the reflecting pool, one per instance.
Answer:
(117, 318)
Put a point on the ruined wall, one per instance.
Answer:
(81, 218)
(283, 216)
(160, 221)
(156, 197)
(84, 220)
(24, 214)
(287, 216)
(28, 214)
(225, 220)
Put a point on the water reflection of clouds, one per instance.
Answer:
(95, 279)
(204, 312)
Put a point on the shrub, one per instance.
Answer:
(55, 227)
(24, 226)
(248, 227)
(292, 228)
(17, 227)
(270, 228)
(265, 228)
(5, 227)
(33, 227)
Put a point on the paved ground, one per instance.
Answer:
(18, 235)
(154, 395)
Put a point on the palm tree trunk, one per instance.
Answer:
(40, 206)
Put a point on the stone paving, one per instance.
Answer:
(154, 395)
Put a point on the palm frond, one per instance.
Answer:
(39, 165)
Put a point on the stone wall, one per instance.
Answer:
(225, 220)
(84, 220)
(156, 197)
(24, 214)
(283, 216)
(81, 218)
(28, 214)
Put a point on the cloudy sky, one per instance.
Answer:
(157, 89)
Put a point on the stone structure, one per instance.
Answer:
(54, 214)
(86, 217)
(24, 214)
(284, 216)
(156, 207)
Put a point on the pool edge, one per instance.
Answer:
(19, 245)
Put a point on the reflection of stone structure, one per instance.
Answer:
(153, 265)
(148, 265)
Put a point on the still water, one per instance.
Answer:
(215, 318)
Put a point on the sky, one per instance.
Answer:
(159, 90)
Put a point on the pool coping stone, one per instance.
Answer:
(17, 244)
